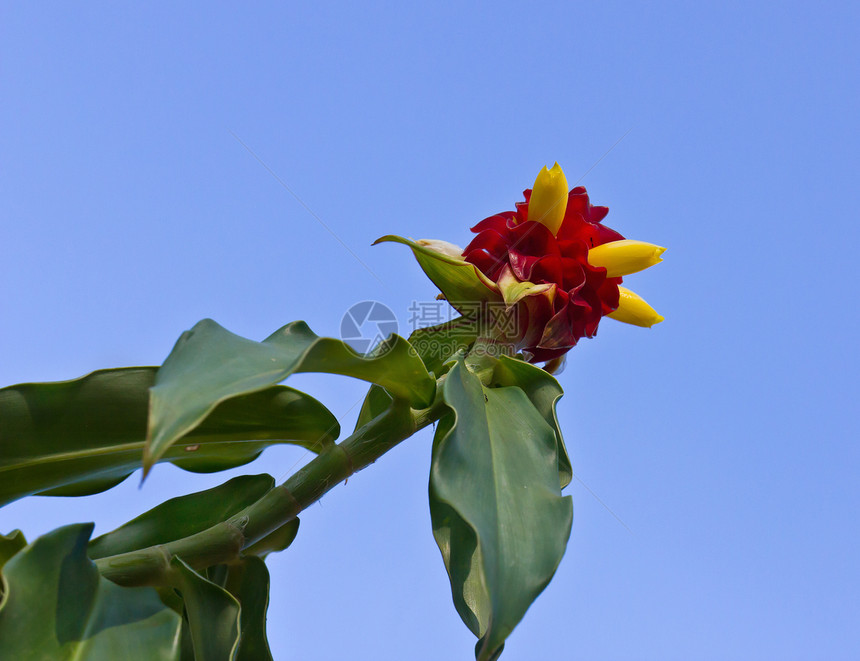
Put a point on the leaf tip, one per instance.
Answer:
(148, 463)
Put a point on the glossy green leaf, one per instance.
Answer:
(461, 282)
(544, 392)
(209, 365)
(212, 614)
(10, 544)
(248, 582)
(79, 437)
(376, 402)
(58, 607)
(183, 516)
(496, 505)
(275, 541)
(436, 345)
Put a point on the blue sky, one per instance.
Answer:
(724, 440)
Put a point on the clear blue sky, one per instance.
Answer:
(725, 439)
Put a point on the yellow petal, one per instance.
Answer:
(632, 309)
(549, 198)
(624, 257)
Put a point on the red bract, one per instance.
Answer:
(509, 248)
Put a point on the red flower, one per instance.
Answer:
(551, 265)
(511, 249)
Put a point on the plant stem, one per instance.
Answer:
(225, 541)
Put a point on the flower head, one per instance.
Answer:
(552, 266)
(560, 266)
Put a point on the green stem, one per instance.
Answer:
(225, 541)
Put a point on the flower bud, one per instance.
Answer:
(548, 200)
(621, 258)
(632, 309)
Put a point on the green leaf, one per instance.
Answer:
(461, 282)
(58, 607)
(10, 544)
(212, 614)
(183, 516)
(74, 438)
(278, 414)
(248, 581)
(544, 392)
(376, 402)
(498, 515)
(436, 345)
(277, 540)
(209, 365)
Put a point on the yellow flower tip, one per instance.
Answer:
(624, 257)
(632, 309)
(548, 201)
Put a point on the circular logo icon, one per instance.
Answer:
(365, 326)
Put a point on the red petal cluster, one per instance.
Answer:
(552, 322)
